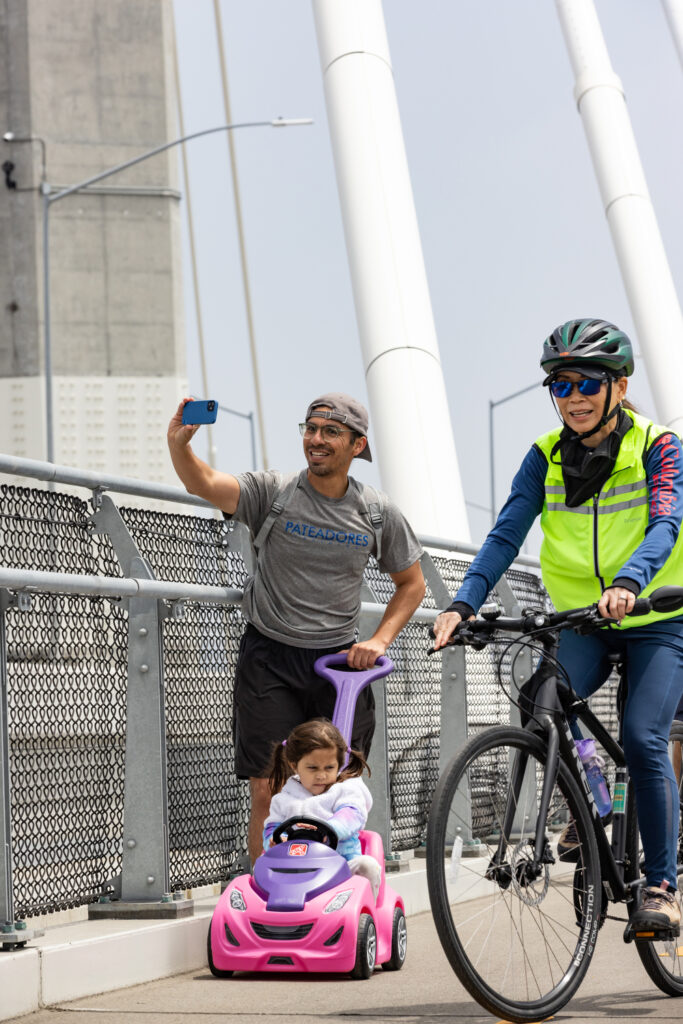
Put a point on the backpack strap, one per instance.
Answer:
(375, 511)
(281, 499)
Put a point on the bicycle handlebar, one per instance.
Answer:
(480, 631)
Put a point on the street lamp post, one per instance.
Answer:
(245, 416)
(492, 406)
(50, 197)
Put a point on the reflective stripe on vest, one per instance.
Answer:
(584, 548)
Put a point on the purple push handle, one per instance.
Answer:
(348, 685)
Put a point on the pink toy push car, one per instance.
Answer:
(302, 909)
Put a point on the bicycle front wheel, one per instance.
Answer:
(663, 961)
(519, 937)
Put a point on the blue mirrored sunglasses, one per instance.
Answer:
(587, 386)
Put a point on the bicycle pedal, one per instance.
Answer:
(667, 934)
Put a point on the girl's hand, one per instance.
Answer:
(616, 602)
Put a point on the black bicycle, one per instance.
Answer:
(517, 919)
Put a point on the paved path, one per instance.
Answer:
(425, 992)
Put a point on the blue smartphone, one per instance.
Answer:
(200, 412)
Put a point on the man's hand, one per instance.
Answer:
(410, 589)
(364, 654)
(221, 489)
(178, 434)
(616, 602)
(444, 628)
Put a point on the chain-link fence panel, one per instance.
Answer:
(413, 709)
(414, 699)
(66, 678)
(208, 807)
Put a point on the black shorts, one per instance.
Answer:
(276, 689)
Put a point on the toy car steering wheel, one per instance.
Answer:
(319, 833)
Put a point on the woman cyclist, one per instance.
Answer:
(608, 486)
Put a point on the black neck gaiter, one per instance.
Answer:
(585, 470)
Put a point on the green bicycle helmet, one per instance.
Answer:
(583, 344)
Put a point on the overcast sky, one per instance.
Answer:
(514, 236)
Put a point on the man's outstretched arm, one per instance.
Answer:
(221, 489)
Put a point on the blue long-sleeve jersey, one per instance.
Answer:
(525, 502)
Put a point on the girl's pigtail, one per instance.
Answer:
(279, 769)
(356, 766)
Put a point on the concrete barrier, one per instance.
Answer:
(83, 958)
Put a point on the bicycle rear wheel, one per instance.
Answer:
(519, 941)
(663, 961)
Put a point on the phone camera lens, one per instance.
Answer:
(211, 406)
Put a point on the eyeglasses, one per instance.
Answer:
(586, 386)
(327, 432)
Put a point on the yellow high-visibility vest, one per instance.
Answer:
(584, 548)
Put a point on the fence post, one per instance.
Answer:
(236, 537)
(12, 933)
(453, 717)
(145, 877)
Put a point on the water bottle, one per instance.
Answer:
(593, 765)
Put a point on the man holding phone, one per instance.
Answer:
(314, 532)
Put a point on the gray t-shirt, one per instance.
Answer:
(306, 589)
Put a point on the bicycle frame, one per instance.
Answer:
(549, 720)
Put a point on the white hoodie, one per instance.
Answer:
(344, 806)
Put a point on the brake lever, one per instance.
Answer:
(453, 641)
(449, 643)
(594, 625)
(463, 637)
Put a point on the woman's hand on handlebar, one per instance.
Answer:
(616, 602)
(444, 627)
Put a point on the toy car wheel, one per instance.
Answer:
(216, 971)
(399, 942)
(366, 948)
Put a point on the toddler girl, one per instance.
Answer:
(306, 778)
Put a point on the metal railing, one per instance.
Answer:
(119, 633)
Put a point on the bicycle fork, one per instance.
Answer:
(528, 868)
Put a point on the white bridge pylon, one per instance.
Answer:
(413, 435)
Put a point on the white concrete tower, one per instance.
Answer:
(637, 241)
(409, 414)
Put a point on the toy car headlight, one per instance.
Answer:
(237, 900)
(338, 901)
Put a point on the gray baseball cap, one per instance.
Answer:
(345, 410)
